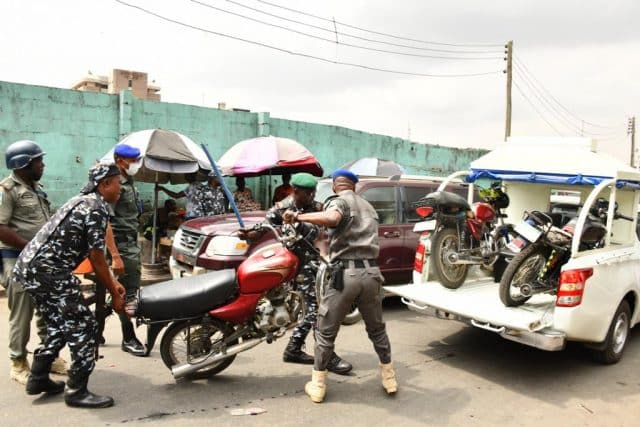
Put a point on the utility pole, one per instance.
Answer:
(632, 131)
(509, 72)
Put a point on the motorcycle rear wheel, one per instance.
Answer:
(202, 337)
(523, 268)
(451, 276)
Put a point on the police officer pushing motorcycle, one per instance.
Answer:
(353, 250)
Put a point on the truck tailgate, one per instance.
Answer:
(478, 301)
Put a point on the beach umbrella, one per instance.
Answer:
(373, 166)
(268, 155)
(166, 156)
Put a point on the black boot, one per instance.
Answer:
(39, 381)
(76, 394)
(338, 366)
(294, 354)
(130, 343)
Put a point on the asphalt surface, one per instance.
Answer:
(450, 375)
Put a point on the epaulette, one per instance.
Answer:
(8, 183)
(330, 198)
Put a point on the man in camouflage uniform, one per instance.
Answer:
(353, 245)
(302, 200)
(24, 208)
(45, 270)
(213, 201)
(126, 252)
(202, 199)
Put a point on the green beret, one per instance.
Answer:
(304, 180)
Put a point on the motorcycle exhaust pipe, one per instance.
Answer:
(180, 371)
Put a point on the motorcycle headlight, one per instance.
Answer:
(226, 245)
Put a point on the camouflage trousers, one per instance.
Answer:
(69, 321)
(308, 290)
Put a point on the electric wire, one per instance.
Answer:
(526, 69)
(379, 32)
(334, 42)
(301, 54)
(549, 107)
(536, 109)
(343, 34)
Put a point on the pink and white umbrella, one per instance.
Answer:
(268, 155)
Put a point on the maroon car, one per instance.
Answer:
(211, 243)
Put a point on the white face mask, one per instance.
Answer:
(133, 168)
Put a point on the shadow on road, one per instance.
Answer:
(553, 377)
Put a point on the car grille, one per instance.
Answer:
(189, 241)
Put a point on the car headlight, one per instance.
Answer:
(226, 245)
(177, 238)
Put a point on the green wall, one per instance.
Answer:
(76, 128)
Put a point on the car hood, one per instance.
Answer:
(223, 225)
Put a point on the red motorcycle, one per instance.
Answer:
(212, 317)
(461, 234)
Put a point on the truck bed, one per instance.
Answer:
(477, 301)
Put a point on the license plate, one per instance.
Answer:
(425, 226)
(528, 231)
(516, 245)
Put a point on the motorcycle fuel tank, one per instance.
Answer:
(267, 268)
(483, 212)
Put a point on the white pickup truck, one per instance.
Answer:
(597, 308)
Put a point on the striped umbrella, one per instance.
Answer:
(268, 155)
(373, 166)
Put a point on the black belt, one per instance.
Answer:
(359, 263)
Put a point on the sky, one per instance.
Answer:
(575, 71)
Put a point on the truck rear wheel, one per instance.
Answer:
(451, 276)
(522, 269)
(617, 336)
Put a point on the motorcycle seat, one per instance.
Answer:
(187, 297)
(447, 200)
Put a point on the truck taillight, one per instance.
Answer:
(418, 261)
(572, 283)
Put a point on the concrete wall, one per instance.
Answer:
(76, 128)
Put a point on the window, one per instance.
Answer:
(412, 195)
(383, 200)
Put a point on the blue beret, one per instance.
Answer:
(345, 173)
(127, 151)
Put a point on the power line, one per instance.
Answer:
(553, 110)
(305, 55)
(550, 108)
(378, 32)
(335, 31)
(526, 69)
(334, 42)
(536, 109)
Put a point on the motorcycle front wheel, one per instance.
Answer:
(192, 341)
(451, 276)
(523, 269)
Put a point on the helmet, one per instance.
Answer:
(21, 153)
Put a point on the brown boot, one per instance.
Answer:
(59, 366)
(20, 371)
(388, 377)
(316, 388)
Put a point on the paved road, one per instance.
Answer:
(450, 375)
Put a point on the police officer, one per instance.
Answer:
(24, 208)
(124, 224)
(302, 200)
(203, 199)
(353, 240)
(45, 270)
